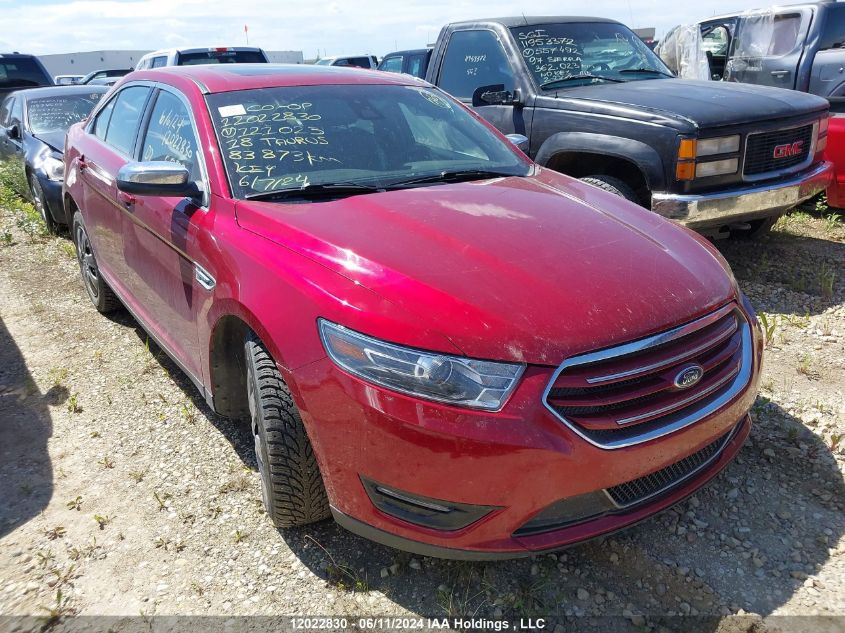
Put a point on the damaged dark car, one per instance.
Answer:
(33, 124)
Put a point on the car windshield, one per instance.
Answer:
(578, 53)
(221, 57)
(22, 71)
(59, 112)
(356, 136)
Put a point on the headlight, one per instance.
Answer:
(720, 145)
(716, 168)
(54, 168)
(477, 384)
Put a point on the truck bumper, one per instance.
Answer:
(747, 203)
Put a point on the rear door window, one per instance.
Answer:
(123, 126)
(833, 35)
(416, 66)
(474, 59)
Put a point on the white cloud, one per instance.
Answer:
(373, 26)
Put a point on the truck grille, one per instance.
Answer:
(767, 151)
(639, 490)
(635, 392)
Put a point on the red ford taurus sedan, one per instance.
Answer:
(447, 348)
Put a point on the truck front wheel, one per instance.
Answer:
(613, 185)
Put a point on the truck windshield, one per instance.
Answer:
(578, 53)
(353, 138)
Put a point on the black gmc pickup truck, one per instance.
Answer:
(593, 102)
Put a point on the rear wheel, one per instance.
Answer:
(98, 290)
(614, 186)
(291, 484)
(38, 200)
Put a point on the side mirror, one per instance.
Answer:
(495, 95)
(520, 140)
(156, 178)
(14, 132)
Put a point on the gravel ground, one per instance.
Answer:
(122, 494)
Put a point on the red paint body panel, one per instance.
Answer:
(533, 269)
(835, 153)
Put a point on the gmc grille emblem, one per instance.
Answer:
(789, 149)
(689, 376)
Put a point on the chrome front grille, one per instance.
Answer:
(640, 490)
(629, 394)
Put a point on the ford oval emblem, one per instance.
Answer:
(689, 376)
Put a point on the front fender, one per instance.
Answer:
(645, 157)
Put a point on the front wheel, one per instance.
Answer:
(98, 290)
(40, 204)
(613, 185)
(291, 484)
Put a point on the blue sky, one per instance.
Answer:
(332, 27)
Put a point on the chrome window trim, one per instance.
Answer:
(777, 173)
(740, 381)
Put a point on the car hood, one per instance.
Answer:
(526, 269)
(704, 104)
(55, 139)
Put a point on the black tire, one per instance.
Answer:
(40, 204)
(98, 290)
(614, 186)
(291, 484)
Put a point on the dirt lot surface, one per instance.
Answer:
(122, 494)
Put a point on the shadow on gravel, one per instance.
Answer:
(26, 476)
(749, 540)
(806, 271)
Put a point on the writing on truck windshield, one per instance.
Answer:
(295, 137)
(591, 51)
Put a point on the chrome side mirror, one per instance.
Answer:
(156, 178)
(520, 140)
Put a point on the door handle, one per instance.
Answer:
(127, 199)
(780, 73)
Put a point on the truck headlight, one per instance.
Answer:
(718, 145)
(716, 168)
(464, 382)
(54, 168)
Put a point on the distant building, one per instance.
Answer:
(88, 61)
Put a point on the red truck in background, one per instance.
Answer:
(835, 152)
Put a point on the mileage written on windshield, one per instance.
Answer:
(266, 143)
(550, 57)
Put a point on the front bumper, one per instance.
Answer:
(515, 463)
(747, 203)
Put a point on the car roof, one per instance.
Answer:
(211, 78)
(59, 91)
(16, 55)
(774, 7)
(531, 20)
